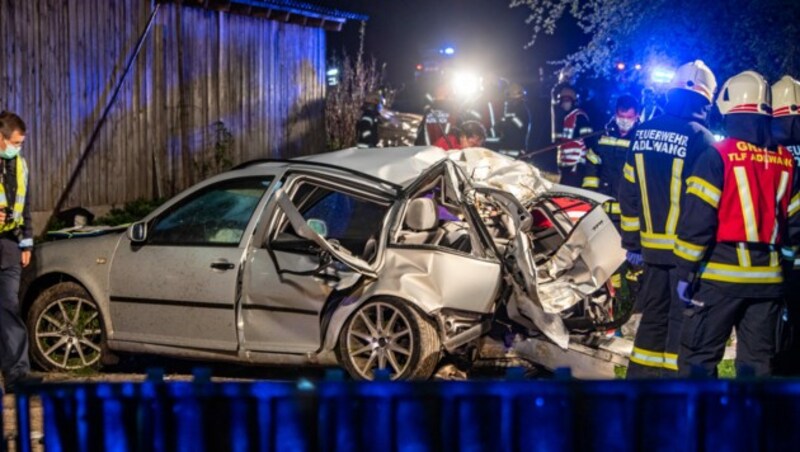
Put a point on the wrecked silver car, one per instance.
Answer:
(395, 258)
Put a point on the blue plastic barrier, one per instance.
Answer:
(542, 415)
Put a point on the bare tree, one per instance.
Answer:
(343, 102)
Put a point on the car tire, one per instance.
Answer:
(406, 343)
(66, 330)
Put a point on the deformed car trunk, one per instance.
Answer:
(560, 247)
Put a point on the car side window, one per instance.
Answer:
(214, 216)
(352, 221)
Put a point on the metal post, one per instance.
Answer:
(99, 125)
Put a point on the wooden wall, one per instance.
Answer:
(60, 60)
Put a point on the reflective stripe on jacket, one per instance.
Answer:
(662, 152)
(737, 216)
(19, 199)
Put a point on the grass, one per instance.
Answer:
(725, 369)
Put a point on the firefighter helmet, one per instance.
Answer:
(786, 97)
(746, 92)
(567, 91)
(697, 77)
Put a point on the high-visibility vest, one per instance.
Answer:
(572, 151)
(19, 198)
(754, 200)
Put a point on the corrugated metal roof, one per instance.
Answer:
(294, 11)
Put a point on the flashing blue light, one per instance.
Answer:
(662, 75)
(449, 51)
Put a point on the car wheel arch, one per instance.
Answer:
(48, 280)
(342, 314)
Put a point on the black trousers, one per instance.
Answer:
(572, 175)
(787, 362)
(14, 360)
(707, 327)
(655, 347)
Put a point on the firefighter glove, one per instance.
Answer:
(634, 258)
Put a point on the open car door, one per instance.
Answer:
(323, 238)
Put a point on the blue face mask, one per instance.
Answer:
(10, 151)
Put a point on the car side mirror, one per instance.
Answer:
(318, 226)
(137, 232)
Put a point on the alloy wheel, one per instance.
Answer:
(379, 337)
(69, 333)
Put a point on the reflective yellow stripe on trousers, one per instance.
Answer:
(647, 358)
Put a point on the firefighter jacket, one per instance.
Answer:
(515, 125)
(488, 113)
(605, 162)
(571, 149)
(791, 252)
(741, 206)
(437, 122)
(367, 128)
(662, 153)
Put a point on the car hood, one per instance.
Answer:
(78, 253)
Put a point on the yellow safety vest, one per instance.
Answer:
(19, 200)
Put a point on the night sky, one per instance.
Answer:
(487, 35)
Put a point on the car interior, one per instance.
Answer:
(430, 220)
(352, 221)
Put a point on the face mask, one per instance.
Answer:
(10, 151)
(624, 124)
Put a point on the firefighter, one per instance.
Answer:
(438, 119)
(486, 108)
(515, 123)
(736, 215)
(650, 108)
(661, 154)
(471, 134)
(367, 125)
(572, 148)
(605, 162)
(786, 131)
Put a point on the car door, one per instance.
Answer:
(324, 235)
(179, 287)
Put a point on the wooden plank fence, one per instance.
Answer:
(265, 80)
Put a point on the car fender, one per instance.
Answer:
(85, 260)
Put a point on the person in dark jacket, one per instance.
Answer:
(741, 207)
(786, 132)
(572, 144)
(515, 124)
(367, 125)
(16, 242)
(650, 108)
(662, 153)
(604, 163)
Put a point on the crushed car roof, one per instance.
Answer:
(399, 165)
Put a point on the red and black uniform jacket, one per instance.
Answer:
(741, 206)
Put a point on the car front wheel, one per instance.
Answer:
(65, 329)
(389, 335)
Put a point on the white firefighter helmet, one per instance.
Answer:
(746, 92)
(785, 97)
(696, 76)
